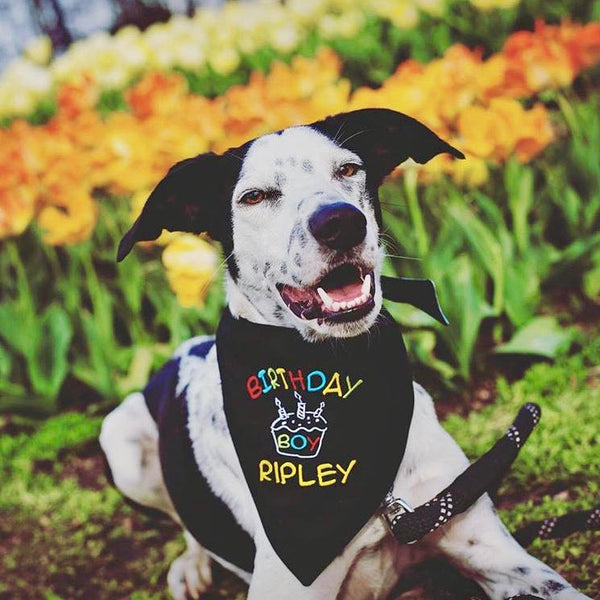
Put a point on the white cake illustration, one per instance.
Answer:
(299, 433)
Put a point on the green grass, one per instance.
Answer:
(559, 467)
(65, 533)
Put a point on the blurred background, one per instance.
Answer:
(98, 99)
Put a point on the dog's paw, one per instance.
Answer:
(190, 575)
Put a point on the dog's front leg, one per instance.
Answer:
(476, 541)
(480, 545)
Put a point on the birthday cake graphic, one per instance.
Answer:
(299, 433)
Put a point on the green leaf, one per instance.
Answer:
(486, 246)
(542, 336)
(16, 329)
(421, 346)
(5, 364)
(591, 284)
(466, 308)
(48, 365)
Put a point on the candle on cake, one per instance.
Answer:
(301, 407)
(280, 409)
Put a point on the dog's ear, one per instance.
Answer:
(384, 138)
(193, 196)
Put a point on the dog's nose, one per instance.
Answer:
(338, 225)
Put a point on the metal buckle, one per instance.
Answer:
(394, 507)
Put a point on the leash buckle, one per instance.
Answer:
(394, 507)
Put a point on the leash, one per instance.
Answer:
(409, 525)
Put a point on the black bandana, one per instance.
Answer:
(320, 428)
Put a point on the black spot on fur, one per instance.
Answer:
(551, 586)
(291, 161)
(280, 179)
(303, 239)
(278, 162)
(283, 268)
(472, 542)
(298, 259)
(534, 590)
(295, 233)
(255, 267)
(296, 280)
(522, 570)
(307, 166)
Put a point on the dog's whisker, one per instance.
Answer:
(216, 272)
(353, 136)
(401, 256)
(339, 131)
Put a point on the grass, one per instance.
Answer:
(66, 534)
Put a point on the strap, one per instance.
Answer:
(558, 527)
(409, 527)
(420, 293)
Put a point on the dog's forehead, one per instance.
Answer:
(296, 147)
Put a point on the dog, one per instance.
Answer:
(290, 208)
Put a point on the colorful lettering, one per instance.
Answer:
(309, 378)
(299, 378)
(313, 443)
(345, 472)
(281, 372)
(351, 388)
(333, 387)
(301, 480)
(288, 473)
(254, 388)
(265, 468)
(287, 470)
(272, 375)
(324, 470)
(266, 387)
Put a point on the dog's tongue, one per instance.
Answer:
(346, 292)
(299, 294)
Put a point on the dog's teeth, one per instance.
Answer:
(335, 306)
(327, 301)
(343, 305)
(366, 286)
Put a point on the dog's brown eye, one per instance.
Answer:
(348, 170)
(253, 197)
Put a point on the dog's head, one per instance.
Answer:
(298, 216)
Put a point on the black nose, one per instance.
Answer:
(338, 225)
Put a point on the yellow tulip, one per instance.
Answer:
(190, 263)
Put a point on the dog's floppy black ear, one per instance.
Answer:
(384, 138)
(193, 196)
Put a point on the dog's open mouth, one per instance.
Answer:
(344, 294)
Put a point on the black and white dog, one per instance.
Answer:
(261, 201)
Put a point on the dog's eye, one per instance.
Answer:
(348, 170)
(253, 197)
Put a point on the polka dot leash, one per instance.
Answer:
(559, 527)
(409, 526)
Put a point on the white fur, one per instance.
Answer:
(267, 237)
(267, 244)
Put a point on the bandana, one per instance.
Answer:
(320, 428)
